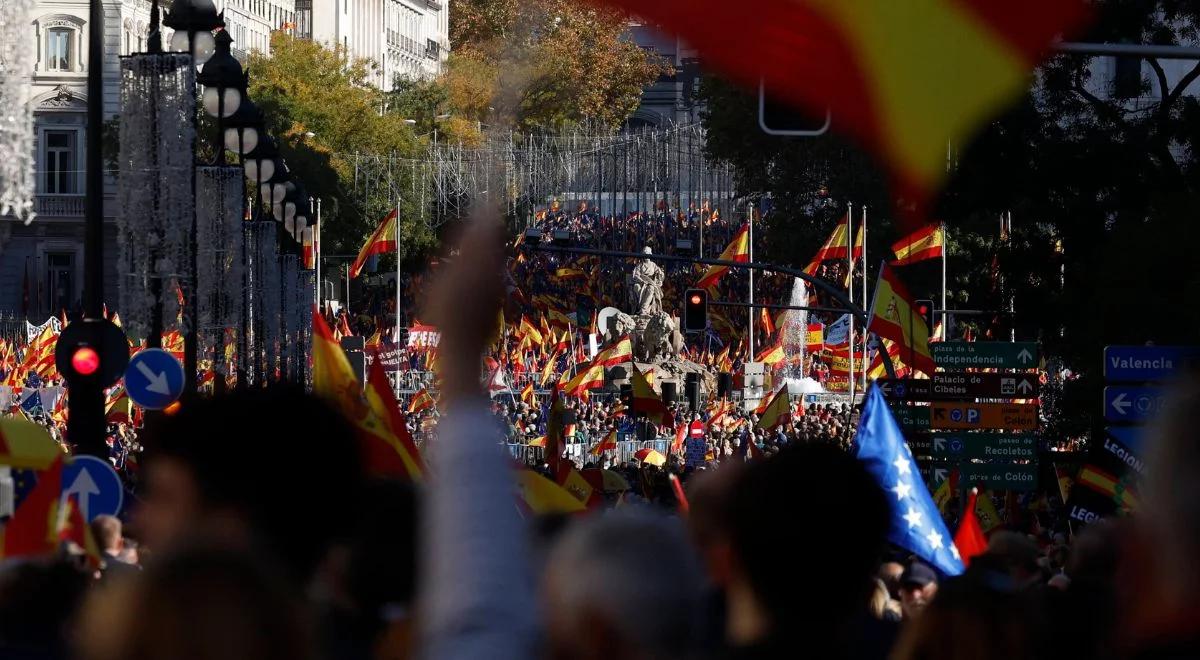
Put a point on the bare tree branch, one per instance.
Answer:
(1188, 79)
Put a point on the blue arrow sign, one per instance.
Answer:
(154, 378)
(1132, 404)
(1140, 363)
(95, 486)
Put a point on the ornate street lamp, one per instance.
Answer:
(193, 22)
(242, 129)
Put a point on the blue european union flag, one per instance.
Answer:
(915, 524)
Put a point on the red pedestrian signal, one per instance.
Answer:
(925, 310)
(85, 360)
(695, 310)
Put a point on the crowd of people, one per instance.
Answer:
(259, 532)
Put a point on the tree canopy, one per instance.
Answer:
(320, 106)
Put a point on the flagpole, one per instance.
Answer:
(750, 238)
(317, 256)
(945, 250)
(850, 293)
(864, 293)
(396, 328)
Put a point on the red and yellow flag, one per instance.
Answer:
(33, 528)
(422, 400)
(548, 370)
(334, 379)
(767, 323)
(902, 78)
(527, 393)
(926, 243)
(893, 316)
(619, 352)
(648, 403)
(397, 455)
(587, 379)
(771, 354)
(738, 250)
(835, 246)
(777, 412)
(529, 331)
(607, 443)
(382, 241)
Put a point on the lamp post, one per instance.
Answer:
(243, 131)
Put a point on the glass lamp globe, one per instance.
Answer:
(211, 101)
(249, 140)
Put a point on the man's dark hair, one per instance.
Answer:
(283, 458)
(809, 520)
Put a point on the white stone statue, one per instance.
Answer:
(647, 286)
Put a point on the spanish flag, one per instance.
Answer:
(619, 352)
(779, 411)
(382, 241)
(71, 527)
(397, 454)
(527, 393)
(835, 246)
(607, 443)
(548, 370)
(540, 496)
(767, 324)
(902, 78)
(893, 317)
(334, 379)
(926, 243)
(528, 330)
(421, 401)
(771, 354)
(26, 445)
(738, 250)
(816, 337)
(569, 273)
(1109, 485)
(587, 379)
(648, 403)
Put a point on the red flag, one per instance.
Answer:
(969, 538)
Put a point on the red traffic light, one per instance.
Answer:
(695, 299)
(85, 360)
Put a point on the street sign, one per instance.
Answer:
(696, 429)
(920, 445)
(914, 418)
(952, 386)
(1133, 404)
(154, 379)
(1009, 416)
(998, 476)
(951, 355)
(95, 486)
(983, 446)
(1141, 363)
(1130, 436)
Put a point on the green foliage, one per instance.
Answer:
(304, 87)
(541, 65)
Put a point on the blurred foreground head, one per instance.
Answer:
(276, 469)
(807, 532)
(197, 604)
(1163, 574)
(623, 585)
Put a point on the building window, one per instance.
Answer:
(431, 49)
(60, 280)
(61, 156)
(58, 49)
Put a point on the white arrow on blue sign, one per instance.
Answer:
(154, 379)
(1132, 404)
(95, 486)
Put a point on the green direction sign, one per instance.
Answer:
(998, 476)
(954, 355)
(913, 418)
(982, 446)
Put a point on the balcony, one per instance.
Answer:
(59, 205)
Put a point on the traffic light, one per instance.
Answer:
(925, 310)
(91, 352)
(695, 310)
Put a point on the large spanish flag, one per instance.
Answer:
(738, 250)
(587, 379)
(333, 379)
(771, 354)
(648, 403)
(382, 241)
(619, 352)
(607, 443)
(926, 243)
(903, 77)
(779, 411)
(835, 246)
(893, 317)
